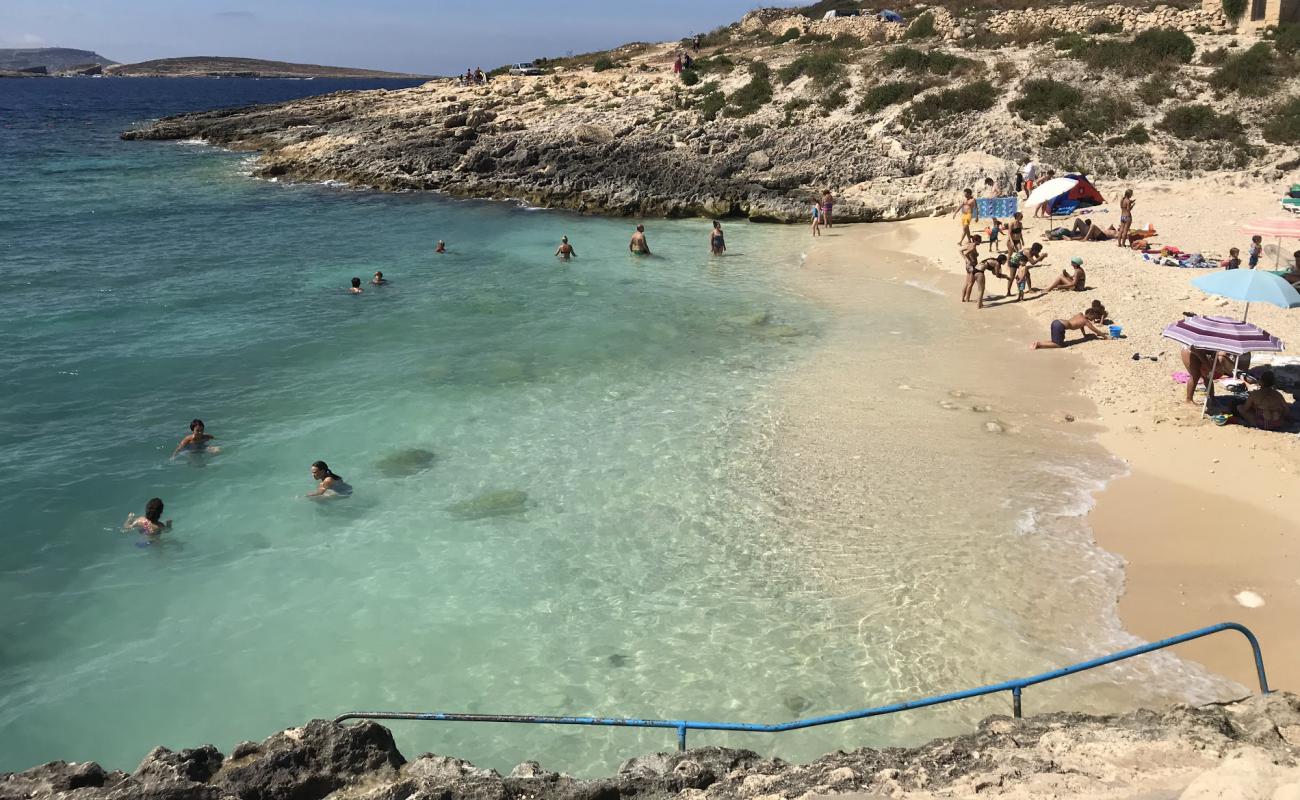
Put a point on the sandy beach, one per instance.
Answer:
(1206, 517)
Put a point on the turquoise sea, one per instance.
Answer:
(589, 535)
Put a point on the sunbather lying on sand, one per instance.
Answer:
(1264, 408)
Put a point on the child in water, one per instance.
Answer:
(151, 524)
(197, 441)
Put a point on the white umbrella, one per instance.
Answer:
(1049, 191)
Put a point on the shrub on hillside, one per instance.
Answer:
(921, 28)
(833, 100)
(1284, 126)
(789, 36)
(1200, 122)
(977, 96)
(690, 77)
(716, 37)
(711, 105)
(1166, 44)
(1234, 10)
(1155, 90)
(1138, 134)
(1074, 43)
(935, 62)
(887, 94)
(1252, 72)
(717, 63)
(1150, 51)
(797, 104)
(753, 95)
(823, 66)
(1287, 39)
(1043, 98)
(1099, 26)
(603, 63)
(1215, 57)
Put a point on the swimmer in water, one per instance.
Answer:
(441, 248)
(379, 280)
(565, 250)
(331, 485)
(717, 244)
(151, 524)
(356, 286)
(196, 441)
(638, 244)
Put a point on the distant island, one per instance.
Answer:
(59, 61)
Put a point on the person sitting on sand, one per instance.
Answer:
(379, 279)
(330, 485)
(1265, 408)
(151, 523)
(638, 244)
(1070, 281)
(717, 243)
(1233, 261)
(196, 441)
(356, 286)
(969, 211)
(565, 251)
(1292, 275)
(1087, 321)
(441, 248)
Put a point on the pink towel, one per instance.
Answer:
(1181, 377)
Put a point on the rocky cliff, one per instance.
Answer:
(1247, 749)
(896, 119)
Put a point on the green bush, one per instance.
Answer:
(1138, 134)
(1099, 26)
(833, 100)
(797, 104)
(815, 38)
(1098, 116)
(1073, 42)
(935, 62)
(717, 63)
(752, 131)
(1284, 126)
(690, 77)
(1044, 98)
(1215, 57)
(789, 36)
(716, 37)
(921, 28)
(753, 95)
(1201, 123)
(847, 41)
(1155, 90)
(887, 94)
(602, 64)
(976, 96)
(1287, 39)
(1234, 10)
(711, 105)
(1166, 45)
(1252, 72)
(823, 66)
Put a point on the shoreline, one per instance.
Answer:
(1203, 514)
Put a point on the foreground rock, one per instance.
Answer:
(1244, 749)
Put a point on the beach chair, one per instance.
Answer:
(1291, 204)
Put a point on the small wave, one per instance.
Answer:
(925, 288)
(193, 142)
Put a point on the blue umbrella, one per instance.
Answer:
(890, 16)
(1250, 285)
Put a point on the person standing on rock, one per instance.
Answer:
(717, 243)
(638, 245)
(828, 205)
(565, 251)
(969, 211)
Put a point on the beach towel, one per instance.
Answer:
(997, 207)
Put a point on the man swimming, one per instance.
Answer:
(565, 250)
(638, 244)
(379, 280)
(196, 441)
(441, 248)
(356, 286)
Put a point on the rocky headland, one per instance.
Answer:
(1244, 749)
(895, 118)
(227, 67)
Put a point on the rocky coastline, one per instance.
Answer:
(897, 125)
(1248, 748)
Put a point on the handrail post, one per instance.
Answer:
(1015, 702)
(681, 737)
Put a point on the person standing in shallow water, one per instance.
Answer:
(828, 205)
(565, 251)
(356, 286)
(196, 441)
(638, 244)
(717, 242)
(329, 484)
(816, 219)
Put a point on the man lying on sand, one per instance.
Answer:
(1087, 321)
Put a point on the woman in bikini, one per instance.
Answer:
(330, 485)
(1016, 234)
(1070, 281)
(1125, 217)
(1087, 322)
(151, 523)
(717, 244)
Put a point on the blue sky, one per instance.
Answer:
(433, 36)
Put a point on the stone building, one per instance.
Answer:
(1262, 13)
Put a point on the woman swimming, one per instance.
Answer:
(151, 524)
(331, 485)
(196, 441)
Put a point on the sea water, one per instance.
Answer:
(563, 492)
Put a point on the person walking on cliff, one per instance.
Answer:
(677, 65)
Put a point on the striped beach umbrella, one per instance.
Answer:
(1279, 229)
(1223, 335)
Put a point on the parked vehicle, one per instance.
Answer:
(527, 68)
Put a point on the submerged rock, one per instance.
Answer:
(406, 462)
(492, 504)
(618, 660)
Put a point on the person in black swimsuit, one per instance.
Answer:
(717, 244)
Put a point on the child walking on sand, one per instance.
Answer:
(995, 230)
(1256, 250)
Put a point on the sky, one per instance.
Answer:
(423, 36)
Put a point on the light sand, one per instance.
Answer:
(1207, 513)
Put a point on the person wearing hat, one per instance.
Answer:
(1071, 280)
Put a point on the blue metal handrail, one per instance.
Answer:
(1015, 686)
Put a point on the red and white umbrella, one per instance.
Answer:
(1274, 229)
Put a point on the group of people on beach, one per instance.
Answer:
(822, 212)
